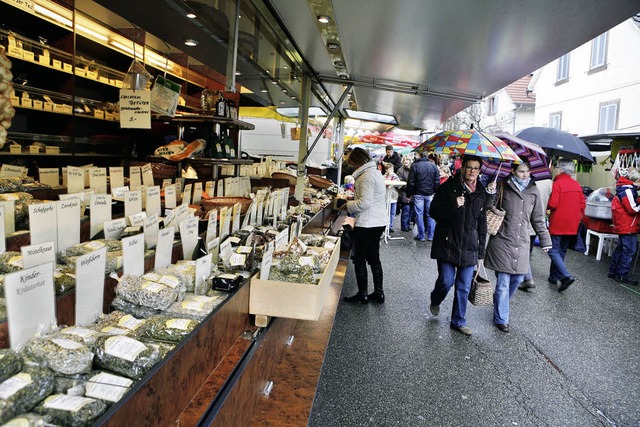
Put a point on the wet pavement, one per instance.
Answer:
(570, 359)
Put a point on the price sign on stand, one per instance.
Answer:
(30, 300)
(153, 200)
(267, 261)
(90, 270)
(189, 236)
(164, 247)
(41, 219)
(100, 212)
(133, 255)
(197, 193)
(68, 222)
(49, 176)
(135, 177)
(98, 180)
(116, 177)
(212, 226)
(132, 203)
(203, 270)
(151, 229)
(170, 196)
(113, 229)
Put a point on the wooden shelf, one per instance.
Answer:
(197, 117)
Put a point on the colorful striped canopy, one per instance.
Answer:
(532, 152)
(472, 141)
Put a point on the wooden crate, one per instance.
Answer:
(292, 300)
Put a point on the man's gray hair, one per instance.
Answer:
(566, 166)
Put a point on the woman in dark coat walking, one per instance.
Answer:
(508, 251)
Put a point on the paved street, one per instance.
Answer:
(571, 359)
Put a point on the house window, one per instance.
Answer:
(492, 104)
(608, 116)
(599, 51)
(555, 120)
(563, 68)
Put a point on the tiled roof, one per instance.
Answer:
(518, 91)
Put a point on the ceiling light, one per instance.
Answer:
(191, 15)
(293, 97)
(238, 73)
(338, 63)
(343, 76)
(333, 45)
(191, 42)
(282, 102)
(323, 19)
(285, 67)
(275, 82)
(284, 91)
(264, 90)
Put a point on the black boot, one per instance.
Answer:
(362, 280)
(378, 293)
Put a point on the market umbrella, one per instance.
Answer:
(534, 154)
(557, 143)
(470, 141)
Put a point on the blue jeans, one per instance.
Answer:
(448, 274)
(506, 285)
(622, 258)
(405, 210)
(558, 251)
(392, 213)
(421, 205)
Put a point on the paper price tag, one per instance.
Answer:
(116, 178)
(210, 188)
(133, 255)
(153, 200)
(90, 272)
(98, 180)
(41, 219)
(189, 236)
(8, 213)
(132, 203)
(151, 229)
(197, 193)
(203, 270)
(75, 179)
(68, 222)
(49, 176)
(236, 218)
(164, 247)
(186, 195)
(147, 175)
(212, 226)
(113, 229)
(135, 177)
(267, 261)
(170, 196)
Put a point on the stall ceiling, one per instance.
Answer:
(420, 60)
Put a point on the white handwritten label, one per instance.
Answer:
(153, 200)
(75, 179)
(38, 254)
(132, 203)
(135, 177)
(42, 217)
(212, 226)
(133, 255)
(98, 180)
(90, 272)
(189, 236)
(236, 218)
(135, 109)
(197, 193)
(164, 247)
(68, 223)
(8, 170)
(170, 196)
(186, 195)
(49, 176)
(151, 228)
(210, 188)
(116, 177)
(99, 211)
(147, 175)
(30, 299)
(267, 261)
(113, 229)
(3, 239)
(8, 209)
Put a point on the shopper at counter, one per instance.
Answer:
(625, 211)
(370, 210)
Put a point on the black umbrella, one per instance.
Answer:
(557, 143)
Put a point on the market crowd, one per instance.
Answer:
(446, 201)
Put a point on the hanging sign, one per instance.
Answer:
(90, 271)
(135, 109)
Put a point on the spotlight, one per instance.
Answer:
(191, 15)
(338, 63)
(323, 19)
(191, 42)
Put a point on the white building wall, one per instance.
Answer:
(580, 97)
(266, 140)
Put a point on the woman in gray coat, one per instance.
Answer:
(508, 251)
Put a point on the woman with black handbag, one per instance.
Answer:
(508, 250)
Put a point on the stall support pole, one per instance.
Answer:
(302, 145)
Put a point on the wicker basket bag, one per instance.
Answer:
(481, 292)
(495, 215)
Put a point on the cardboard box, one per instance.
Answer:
(292, 300)
(52, 150)
(15, 149)
(34, 149)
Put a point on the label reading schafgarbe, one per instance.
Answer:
(152, 287)
(182, 324)
(79, 332)
(130, 322)
(65, 402)
(66, 344)
(14, 385)
(108, 387)
(124, 348)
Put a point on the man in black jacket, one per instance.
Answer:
(424, 178)
(393, 158)
(461, 231)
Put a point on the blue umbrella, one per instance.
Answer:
(557, 143)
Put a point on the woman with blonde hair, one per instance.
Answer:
(370, 211)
